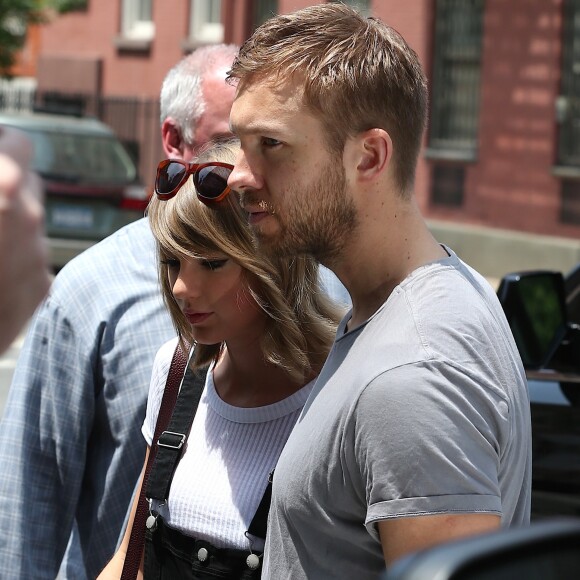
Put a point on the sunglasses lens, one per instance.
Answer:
(169, 178)
(212, 181)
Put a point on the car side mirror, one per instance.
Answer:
(534, 305)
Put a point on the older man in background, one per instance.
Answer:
(70, 439)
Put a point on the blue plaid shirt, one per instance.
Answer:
(71, 448)
(70, 438)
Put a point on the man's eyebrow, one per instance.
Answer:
(257, 127)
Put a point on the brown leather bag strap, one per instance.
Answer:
(137, 539)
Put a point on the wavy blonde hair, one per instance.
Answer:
(302, 320)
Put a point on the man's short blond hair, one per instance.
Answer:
(358, 74)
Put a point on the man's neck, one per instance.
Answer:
(383, 251)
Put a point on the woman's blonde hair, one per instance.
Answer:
(301, 321)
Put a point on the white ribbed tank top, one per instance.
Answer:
(224, 469)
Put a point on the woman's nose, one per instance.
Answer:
(188, 283)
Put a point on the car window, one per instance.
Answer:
(81, 157)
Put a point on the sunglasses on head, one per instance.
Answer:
(210, 179)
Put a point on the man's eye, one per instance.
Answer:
(270, 142)
(214, 264)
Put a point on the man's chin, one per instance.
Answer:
(268, 244)
(272, 245)
(279, 249)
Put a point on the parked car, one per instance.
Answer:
(546, 550)
(543, 310)
(91, 182)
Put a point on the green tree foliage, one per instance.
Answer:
(17, 15)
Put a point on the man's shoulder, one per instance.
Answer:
(333, 287)
(118, 271)
(113, 258)
(134, 237)
(449, 286)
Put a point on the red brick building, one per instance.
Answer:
(503, 146)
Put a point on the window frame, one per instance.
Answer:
(454, 124)
(202, 29)
(567, 105)
(133, 25)
(363, 6)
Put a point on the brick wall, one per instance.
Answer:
(511, 182)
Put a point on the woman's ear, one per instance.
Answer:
(171, 139)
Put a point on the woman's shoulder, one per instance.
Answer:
(167, 349)
(163, 357)
(159, 375)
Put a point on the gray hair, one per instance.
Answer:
(181, 93)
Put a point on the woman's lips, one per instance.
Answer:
(197, 317)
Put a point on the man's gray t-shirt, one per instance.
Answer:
(421, 410)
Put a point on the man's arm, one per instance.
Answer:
(401, 536)
(427, 441)
(43, 438)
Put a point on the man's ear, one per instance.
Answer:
(373, 150)
(171, 138)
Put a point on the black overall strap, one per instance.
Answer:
(170, 446)
(171, 441)
(259, 523)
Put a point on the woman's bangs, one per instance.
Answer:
(167, 228)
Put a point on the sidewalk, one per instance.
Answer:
(496, 252)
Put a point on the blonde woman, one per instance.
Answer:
(263, 328)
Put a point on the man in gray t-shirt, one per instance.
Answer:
(418, 411)
(418, 429)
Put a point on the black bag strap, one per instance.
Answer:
(171, 443)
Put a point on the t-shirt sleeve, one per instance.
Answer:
(426, 440)
(159, 374)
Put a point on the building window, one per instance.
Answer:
(456, 77)
(363, 6)
(72, 5)
(264, 9)
(447, 185)
(570, 196)
(568, 104)
(205, 25)
(137, 22)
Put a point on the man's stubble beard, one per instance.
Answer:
(317, 222)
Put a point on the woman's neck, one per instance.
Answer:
(246, 379)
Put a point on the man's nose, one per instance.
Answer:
(243, 176)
